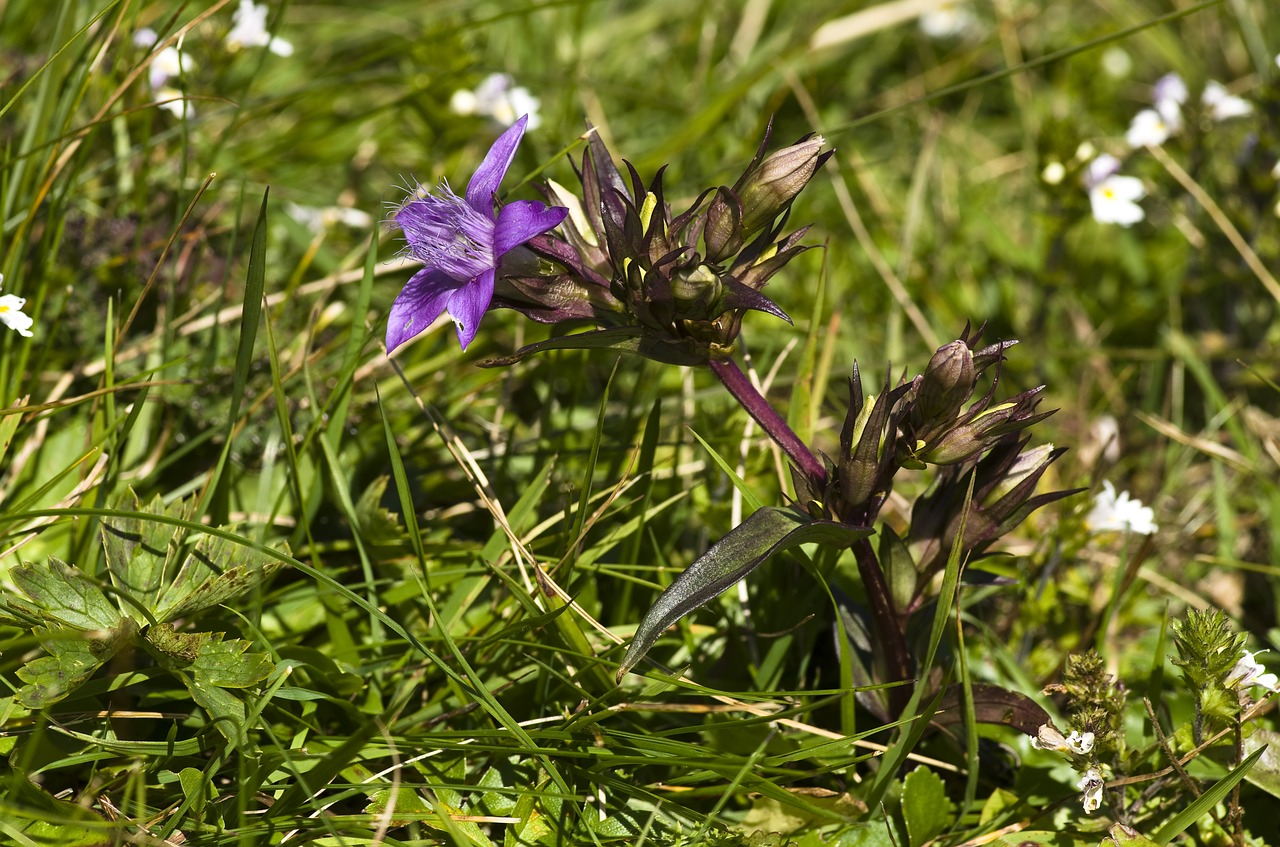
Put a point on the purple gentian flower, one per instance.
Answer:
(461, 242)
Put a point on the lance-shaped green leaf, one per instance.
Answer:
(768, 531)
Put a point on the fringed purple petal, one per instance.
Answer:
(468, 304)
(418, 305)
(485, 181)
(444, 232)
(521, 220)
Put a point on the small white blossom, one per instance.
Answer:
(1222, 105)
(169, 64)
(1120, 513)
(249, 29)
(1080, 743)
(145, 37)
(947, 20)
(1113, 200)
(498, 97)
(1090, 787)
(1047, 737)
(1111, 196)
(1086, 151)
(1249, 671)
(1053, 173)
(317, 218)
(1148, 129)
(11, 314)
(1170, 89)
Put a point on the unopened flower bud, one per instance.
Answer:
(945, 384)
(775, 182)
(723, 232)
(698, 289)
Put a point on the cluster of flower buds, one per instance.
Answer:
(933, 419)
(669, 286)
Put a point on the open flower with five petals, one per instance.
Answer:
(461, 242)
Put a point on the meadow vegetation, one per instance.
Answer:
(263, 581)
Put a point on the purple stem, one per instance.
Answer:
(770, 421)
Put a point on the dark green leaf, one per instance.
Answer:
(767, 531)
(74, 656)
(63, 594)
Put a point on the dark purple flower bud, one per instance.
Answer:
(723, 231)
(769, 188)
(983, 426)
(945, 385)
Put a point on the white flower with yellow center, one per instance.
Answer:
(11, 314)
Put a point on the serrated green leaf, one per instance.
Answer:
(141, 554)
(226, 664)
(768, 531)
(175, 649)
(205, 579)
(925, 805)
(226, 711)
(63, 594)
(74, 656)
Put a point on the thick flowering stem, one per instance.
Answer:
(888, 626)
(745, 393)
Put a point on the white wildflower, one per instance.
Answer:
(1249, 671)
(1120, 513)
(1114, 200)
(1223, 105)
(317, 218)
(948, 20)
(1090, 787)
(145, 37)
(498, 97)
(1047, 737)
(1080, 742)
(1148, 129)
(1170, 89)
(11, 314)
(169, 64)
(1053, 173)
(249, 29)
